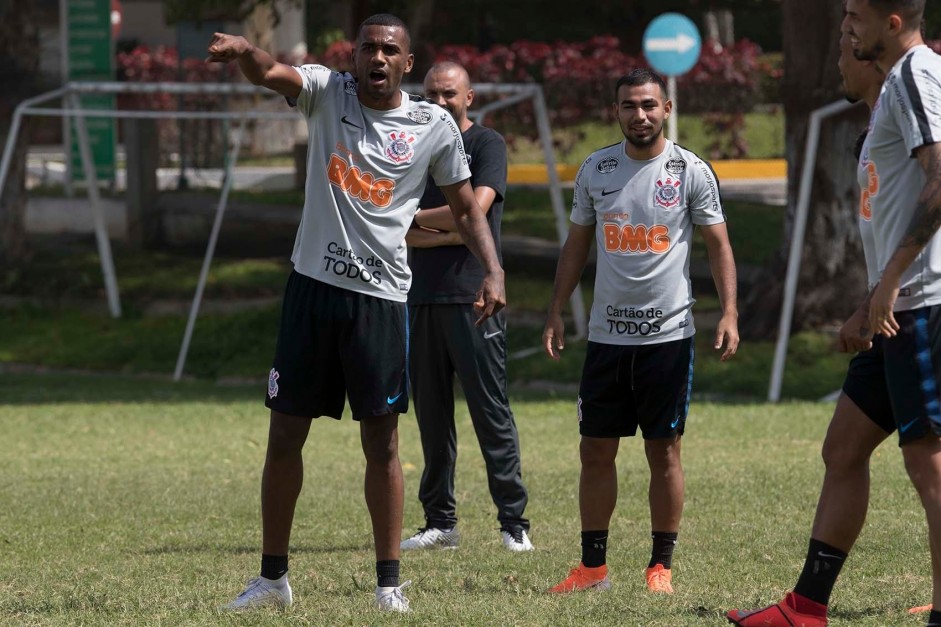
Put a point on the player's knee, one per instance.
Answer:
(839, 456)
(597, 452)
(380, 445)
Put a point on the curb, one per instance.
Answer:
(535, 173)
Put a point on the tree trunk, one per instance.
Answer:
(832, 279)
(19, 64)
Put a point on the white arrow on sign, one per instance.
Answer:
(681, 43)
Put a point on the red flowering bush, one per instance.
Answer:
(577, 78)
(201, 141)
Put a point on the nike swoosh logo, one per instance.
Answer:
(606, 192)
(487, 336)
(346, 121)
(391, 399)
(908, 426)
(675, 422)
(828, 556)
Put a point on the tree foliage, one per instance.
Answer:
(832, 279)
(19, 65)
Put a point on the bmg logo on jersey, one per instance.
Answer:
(636, 238)
(358, 183)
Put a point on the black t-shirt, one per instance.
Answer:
(451, 274)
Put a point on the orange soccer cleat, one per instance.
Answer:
(659, 579)
(584, 578)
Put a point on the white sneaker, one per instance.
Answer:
(262, 592)
(392, 599)
(516, 539)
(432, 538)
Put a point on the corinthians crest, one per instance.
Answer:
(399, 146)
(667, 194)
(273, 377)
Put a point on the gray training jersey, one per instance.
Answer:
(366, 170)
(907, 116)
(644, 212)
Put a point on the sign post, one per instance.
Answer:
(89, 56)
(672, 45)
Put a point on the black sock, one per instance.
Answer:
(934, 618)
(387, 572)
(821, 569)
(663, 544)
(273, 566)
(594, 548)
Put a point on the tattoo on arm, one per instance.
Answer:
(927, 217)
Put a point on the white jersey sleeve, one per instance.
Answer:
(315, 79)
(705, 204)
(583, 205)
(449, 163)
(916, 107)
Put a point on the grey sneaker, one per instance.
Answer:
(432, 538)
(516, 539)
(261, 592)
(392, 599)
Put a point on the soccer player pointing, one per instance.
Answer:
(639, 200)
(343, 327)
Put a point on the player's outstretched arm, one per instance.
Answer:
(722, 265)
(472, 224)
(569, 270)
(924, 225)
(257, 65)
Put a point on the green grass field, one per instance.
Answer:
(135, 502)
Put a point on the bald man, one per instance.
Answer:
(445, 341)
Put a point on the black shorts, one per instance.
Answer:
(866, 386)
(912, 372)
(335, 343)
(626, 386)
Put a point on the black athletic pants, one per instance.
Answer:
(443, 343)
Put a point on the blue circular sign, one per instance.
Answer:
(672, 44)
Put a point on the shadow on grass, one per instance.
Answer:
(250, 550)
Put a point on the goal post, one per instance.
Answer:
(71, 108)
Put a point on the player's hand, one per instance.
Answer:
(727, 335)
(855, 334)
(553, 336)
(881, 318)
(225, 48)
(491, 297)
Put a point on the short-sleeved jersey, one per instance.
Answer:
(644, 212)
(908, 116)
(366, 171)
(451, 274)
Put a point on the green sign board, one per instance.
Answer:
(91, 58)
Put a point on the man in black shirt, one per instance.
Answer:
(445, 340)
